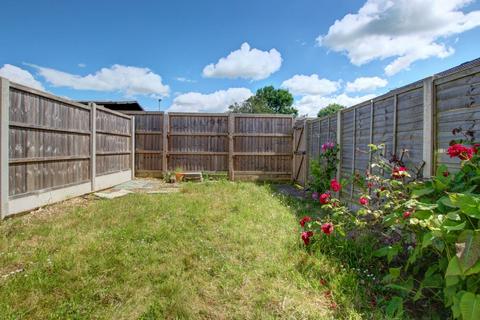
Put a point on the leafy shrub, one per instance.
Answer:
(325, 168)
(427, 232)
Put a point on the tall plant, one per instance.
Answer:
(324, 169)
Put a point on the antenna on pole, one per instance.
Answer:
(159, 102)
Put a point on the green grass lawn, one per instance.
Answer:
(217, 250)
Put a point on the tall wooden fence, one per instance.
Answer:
(244, 145)
(418, 118)
(53, 149)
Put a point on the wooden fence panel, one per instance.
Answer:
(113, 142)
(402, 121)
(49, 147)
(263, 146)
(201, 142)
(409, 136)
(198, 142)
(457, 104)
(49, 143)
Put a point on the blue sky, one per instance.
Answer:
(145, 50)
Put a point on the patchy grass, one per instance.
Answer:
(217, 250)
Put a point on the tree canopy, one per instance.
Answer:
(267, 100)
(330, 109)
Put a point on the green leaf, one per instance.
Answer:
(468, 248)
(468, 204)
(451, 280)
(447, 202)
(423, 214)
(470, 306)
(451, 226)
(454, 268)
(417, 193)
(473, 270)
(427, 239)
(453, 215)
(433, 281)
(426, 206)
(394, 308)
(388, 251)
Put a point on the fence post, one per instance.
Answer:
(339, 143)
(231, 131)
(4, 122)
(428, 127)
(93, 144)
(308, 140)
(294, 144)
(132, 132)
(395, 125)
(165, 144)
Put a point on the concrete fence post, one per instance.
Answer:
(428, 127)
(5, 119)
(93, 144)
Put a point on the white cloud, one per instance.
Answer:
(366, 84)
(131, 81)
(311, 104)
(21, 76)
(217, 101)
(245, 63)
(81, 65)
(183, 79)
(310, 85)
(408, 30)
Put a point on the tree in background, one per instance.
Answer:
(330, 109)
(267, 100)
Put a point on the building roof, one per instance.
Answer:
(117, 105)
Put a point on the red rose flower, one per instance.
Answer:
(327, 228)
(363, 201)
(460, 151)
(476, 147)
(399, 172)
(306, 237)
(335, 185)
(325, 198)
(305, 220)
(446, 173)
(407, 214)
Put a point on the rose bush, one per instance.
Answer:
(427, 232)
(324, 169)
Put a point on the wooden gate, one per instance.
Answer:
(300, 159)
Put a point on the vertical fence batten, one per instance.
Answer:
(428, 127)
(339, 143)
(165, 131)
(231, 131)
(395, 120)
(4, 146)
(132, 146)
(352, 186)
(372, 115)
